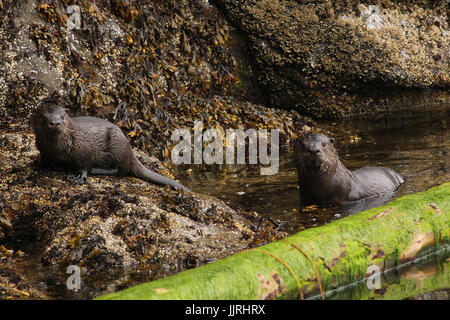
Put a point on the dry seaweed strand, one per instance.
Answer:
(319, 280)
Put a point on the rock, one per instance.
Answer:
(332, 58)
(13, 285)
(5, 227)
(114, 224)
(147, 66)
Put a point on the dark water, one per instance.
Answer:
(427, 278)
(415, 144)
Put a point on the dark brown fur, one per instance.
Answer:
(89, 145)
(324, 179)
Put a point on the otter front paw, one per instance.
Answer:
(81, 178)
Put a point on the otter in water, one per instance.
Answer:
(324, 179)
(88, 145)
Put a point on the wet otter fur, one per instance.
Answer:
(324, 179)
(89, 145)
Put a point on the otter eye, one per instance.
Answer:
(323, 144)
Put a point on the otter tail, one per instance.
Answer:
(141, 172)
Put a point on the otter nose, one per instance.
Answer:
(316, 151)
(54, 123)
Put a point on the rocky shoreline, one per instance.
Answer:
(154, 66)
(111, 223)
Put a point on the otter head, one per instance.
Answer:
(318, 150)
(50, 117)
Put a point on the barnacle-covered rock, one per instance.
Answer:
(337, 58)
(114, 223)
(148, 66)
(5, 226)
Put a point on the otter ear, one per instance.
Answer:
(332, 140)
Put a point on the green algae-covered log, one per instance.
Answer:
(332, 255)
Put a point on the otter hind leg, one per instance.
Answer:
(81, 178)
(124, 163)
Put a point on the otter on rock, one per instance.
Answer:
(324, 179)
(88, 145)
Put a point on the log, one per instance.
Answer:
(316, 259)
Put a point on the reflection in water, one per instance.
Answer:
(425, 278)
(352, 207)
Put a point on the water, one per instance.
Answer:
(413, 280)
(415, 144)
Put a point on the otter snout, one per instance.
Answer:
(54, 121)
(314, 148)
